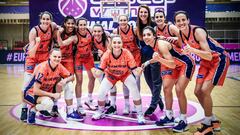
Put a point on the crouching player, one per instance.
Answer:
(118, 64)
(41, 93)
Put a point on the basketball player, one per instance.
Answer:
(213, 66)
(40, 41)
(41, 93)
(176, 69)
(83, 58)
(118, 64)
(128, 37)
(67, 39)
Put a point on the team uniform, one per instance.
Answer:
(67, 54)
(130, 43)
(214, 70)
(47, 76)
(164, 32)
(117, 68)
(42, 52)
(99, 45)
(185, 65)
(84, 56)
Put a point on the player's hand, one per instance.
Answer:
(96, 72)
(155, 56)
(62, 82)
(37, 39)
(187, 49)
(138, 71)
(100, 53)
(56, 96)
(60, 29)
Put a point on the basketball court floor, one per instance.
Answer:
(226, 101)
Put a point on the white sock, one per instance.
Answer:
(101, 108)
(207, 120)
(69, 109)
(90, 97)
(127, 102)
(214, 118)
(33, 110)
(24, 105)
(55, 103)
(79, 102)
(183, 117)
(169, 114)
(113, 100)
(139, 109)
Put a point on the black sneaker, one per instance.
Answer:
(149, 111)
(108, 104)
(24, 114)
(111, 110)
(205, 130)
(55, 112)
(161, 105)
(45, 113)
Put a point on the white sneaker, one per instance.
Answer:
(98, 115)
(90, 105)
(141, 120)
(177, 120)
(126, 110)
(81, 111)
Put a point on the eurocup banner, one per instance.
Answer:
(90, 9)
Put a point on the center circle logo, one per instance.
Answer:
(116, 122)
(76, 8)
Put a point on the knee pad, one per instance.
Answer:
(68, 91)
(131, 84)
(45, 104)
(125, 90)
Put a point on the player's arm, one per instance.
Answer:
(66, 80)
(114, 31)
(37, 91)
(167, 58)
(67, 41)
(205, 52)
(55, 26)
(34, 42)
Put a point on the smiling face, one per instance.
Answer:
(45, 20)
(55, 57)
(181, 21)
(148, 37)
(116, 44)
(69, 24)
(82, 25)
(159, 18)
(143, 14)
(123, 21)
(97, 32)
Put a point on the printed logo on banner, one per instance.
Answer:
(76, 8)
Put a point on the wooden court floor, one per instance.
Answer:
(226, 101)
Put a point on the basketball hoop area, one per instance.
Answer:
(114, 8)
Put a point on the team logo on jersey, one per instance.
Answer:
(76, 8)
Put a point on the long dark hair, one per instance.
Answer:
(160, 11)
(139, 24)
(104, 36)
(69, 17)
